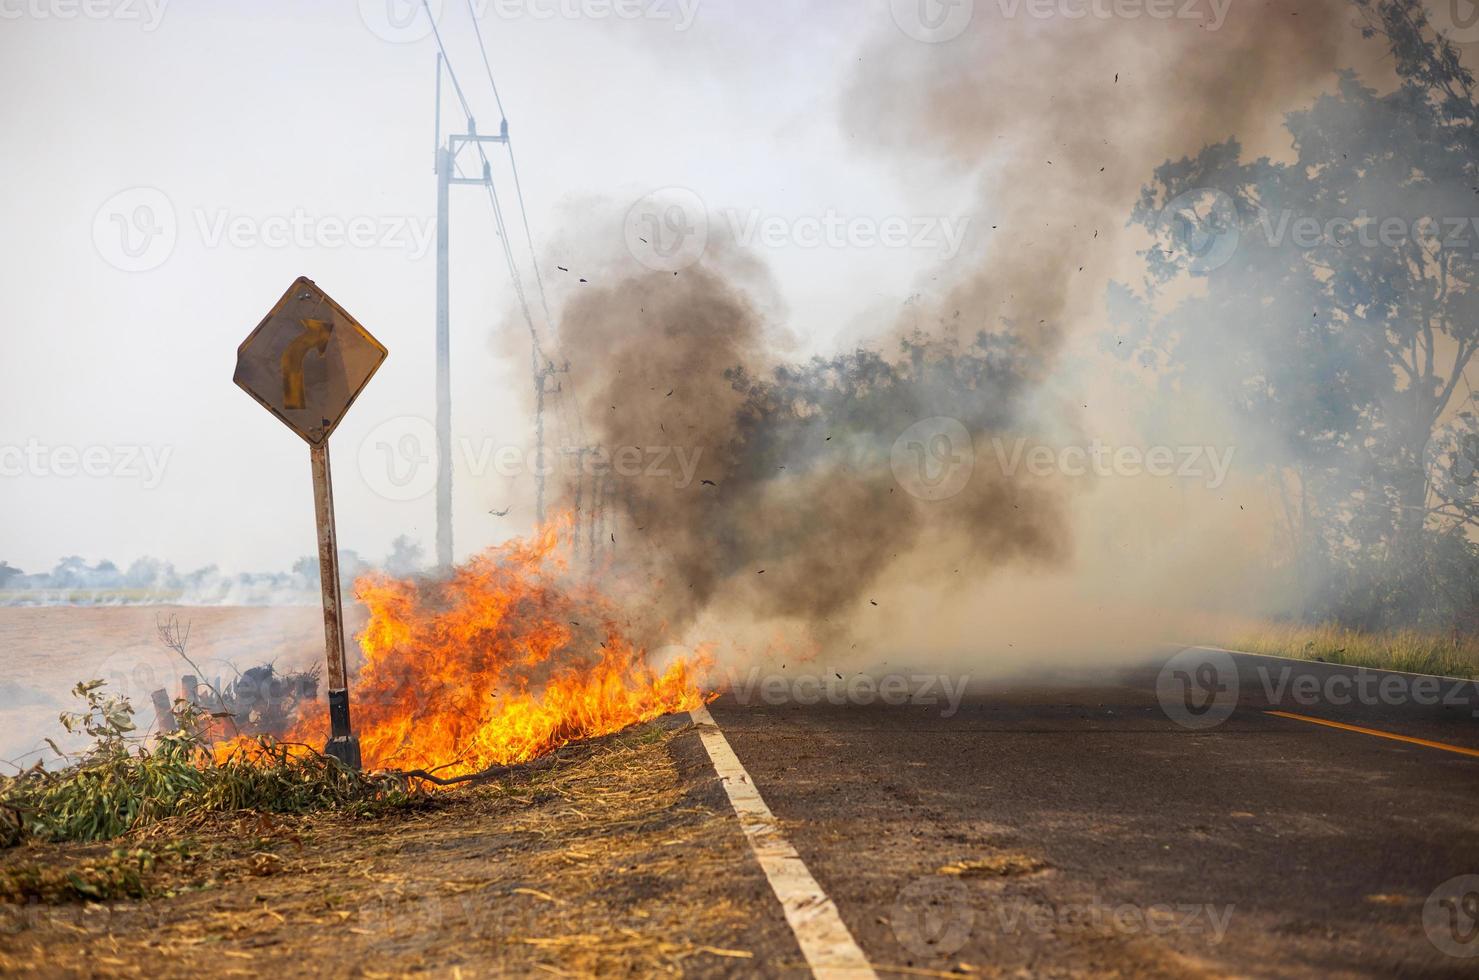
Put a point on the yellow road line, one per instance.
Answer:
(1459, 749)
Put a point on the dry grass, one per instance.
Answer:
(1005, 864)
(609, 862)
(1419, 653)
(124, 782)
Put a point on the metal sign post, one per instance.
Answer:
(342, 743)
(306, 363)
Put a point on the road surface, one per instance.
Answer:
(1101, 836)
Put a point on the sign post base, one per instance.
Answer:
(345, 749)
(343, 745)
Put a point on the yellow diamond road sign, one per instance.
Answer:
(307, 361)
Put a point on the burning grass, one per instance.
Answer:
(1420, 653)
(505, 660)
(502, 662)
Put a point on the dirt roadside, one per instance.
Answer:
(623, 859)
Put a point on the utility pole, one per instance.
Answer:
(446, 171)
(541, 377)
(580, 452)
(598, 503)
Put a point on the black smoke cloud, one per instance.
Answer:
(798, 507)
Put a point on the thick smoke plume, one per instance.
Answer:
(1065, 120)
(795, 507)
(798, 511)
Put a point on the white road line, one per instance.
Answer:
(825, 942)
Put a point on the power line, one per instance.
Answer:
(519, 196)
(542, 366)
(472, 14)
(456, 86)
(534, 259)
(483, 156)
(513, 165)
(497, 209)
(513, 271)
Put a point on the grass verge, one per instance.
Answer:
(1419, 653)
(119, 785)
(621, 858)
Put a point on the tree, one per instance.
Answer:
(405, 558)
(1338, 315)
(8, 572)
(151, 573)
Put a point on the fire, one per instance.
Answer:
(500, 663)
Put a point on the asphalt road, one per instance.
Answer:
(1109, 839)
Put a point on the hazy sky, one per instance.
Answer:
(171, 167)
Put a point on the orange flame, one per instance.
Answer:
(500, 663)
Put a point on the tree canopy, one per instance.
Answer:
(1334, 312)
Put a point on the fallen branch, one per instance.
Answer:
(492, 772)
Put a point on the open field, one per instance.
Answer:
(48, 649)
(62, 597)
